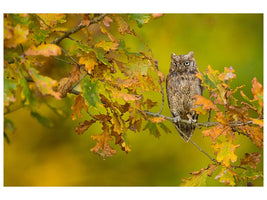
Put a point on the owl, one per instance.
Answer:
(181, 86)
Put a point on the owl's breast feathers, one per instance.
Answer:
(181, 89)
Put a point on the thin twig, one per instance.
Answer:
(161, 90)
(75, 62)
(77, 83)
(76, 29)
(70, 63)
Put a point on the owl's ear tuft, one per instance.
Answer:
(173, 55)
(191, 54)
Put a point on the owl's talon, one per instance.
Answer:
(177, 119)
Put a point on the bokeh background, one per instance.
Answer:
(41, 156)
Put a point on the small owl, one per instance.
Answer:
(182, 85)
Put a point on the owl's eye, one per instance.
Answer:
(186, 63)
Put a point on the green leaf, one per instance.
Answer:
(43, 83)
(43, 120)
(208, 82)
(9, 124)
(152, 127)
(40, 35)
(164, 127)
(6, 137)
(140, 19)
(26, 92)
(19, 19)
(99, 52)
(9, 87)
(90, 92)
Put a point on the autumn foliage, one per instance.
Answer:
(111, 84)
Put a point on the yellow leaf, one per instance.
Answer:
(51, 20)
(258, 122)
(157, 119)
(107, 45)
(225, 152)
(199, 178)
(227, 176)
(44, 50)
(89, 63)
(19, 36)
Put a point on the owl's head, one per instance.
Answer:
(183, 63)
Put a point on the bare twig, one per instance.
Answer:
(76, 29)
(75, 62)
(70, 63)
(161, 90)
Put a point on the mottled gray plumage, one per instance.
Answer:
(182, 85)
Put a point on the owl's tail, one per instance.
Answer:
(185, 130)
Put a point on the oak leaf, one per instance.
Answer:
(44, 50)
(79, 104)
(16, 36)
(43, 83)
(156, 119)
(251, 159)
(125, 96)
(102, 146)
(107, 45)
(89, 62)
(216, 131)
(205, 103)
(225, 152)
(257, 91)
(107, 20)
(227, 176)
(199, 178)
(83, 126)
(51, 20)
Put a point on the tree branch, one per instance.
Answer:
(76, 29)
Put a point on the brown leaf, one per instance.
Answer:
(65, 84)
(125, 96)
(107, 20)
(149, 104)
(123, 27)
(83, 126)
(77, 107)
(255, 134)
(251, 159)
(44, 50)
(102, 146)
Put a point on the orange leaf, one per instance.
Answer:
(77, 107)
(255, 134)
(102, 146)
(89, 63)
(125, 96)
(157, 15)
(157, 119)
(44, 50)
(251, 159)
(216, 131)
(206, 103)
(257, 91)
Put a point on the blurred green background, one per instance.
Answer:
(40, 156)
